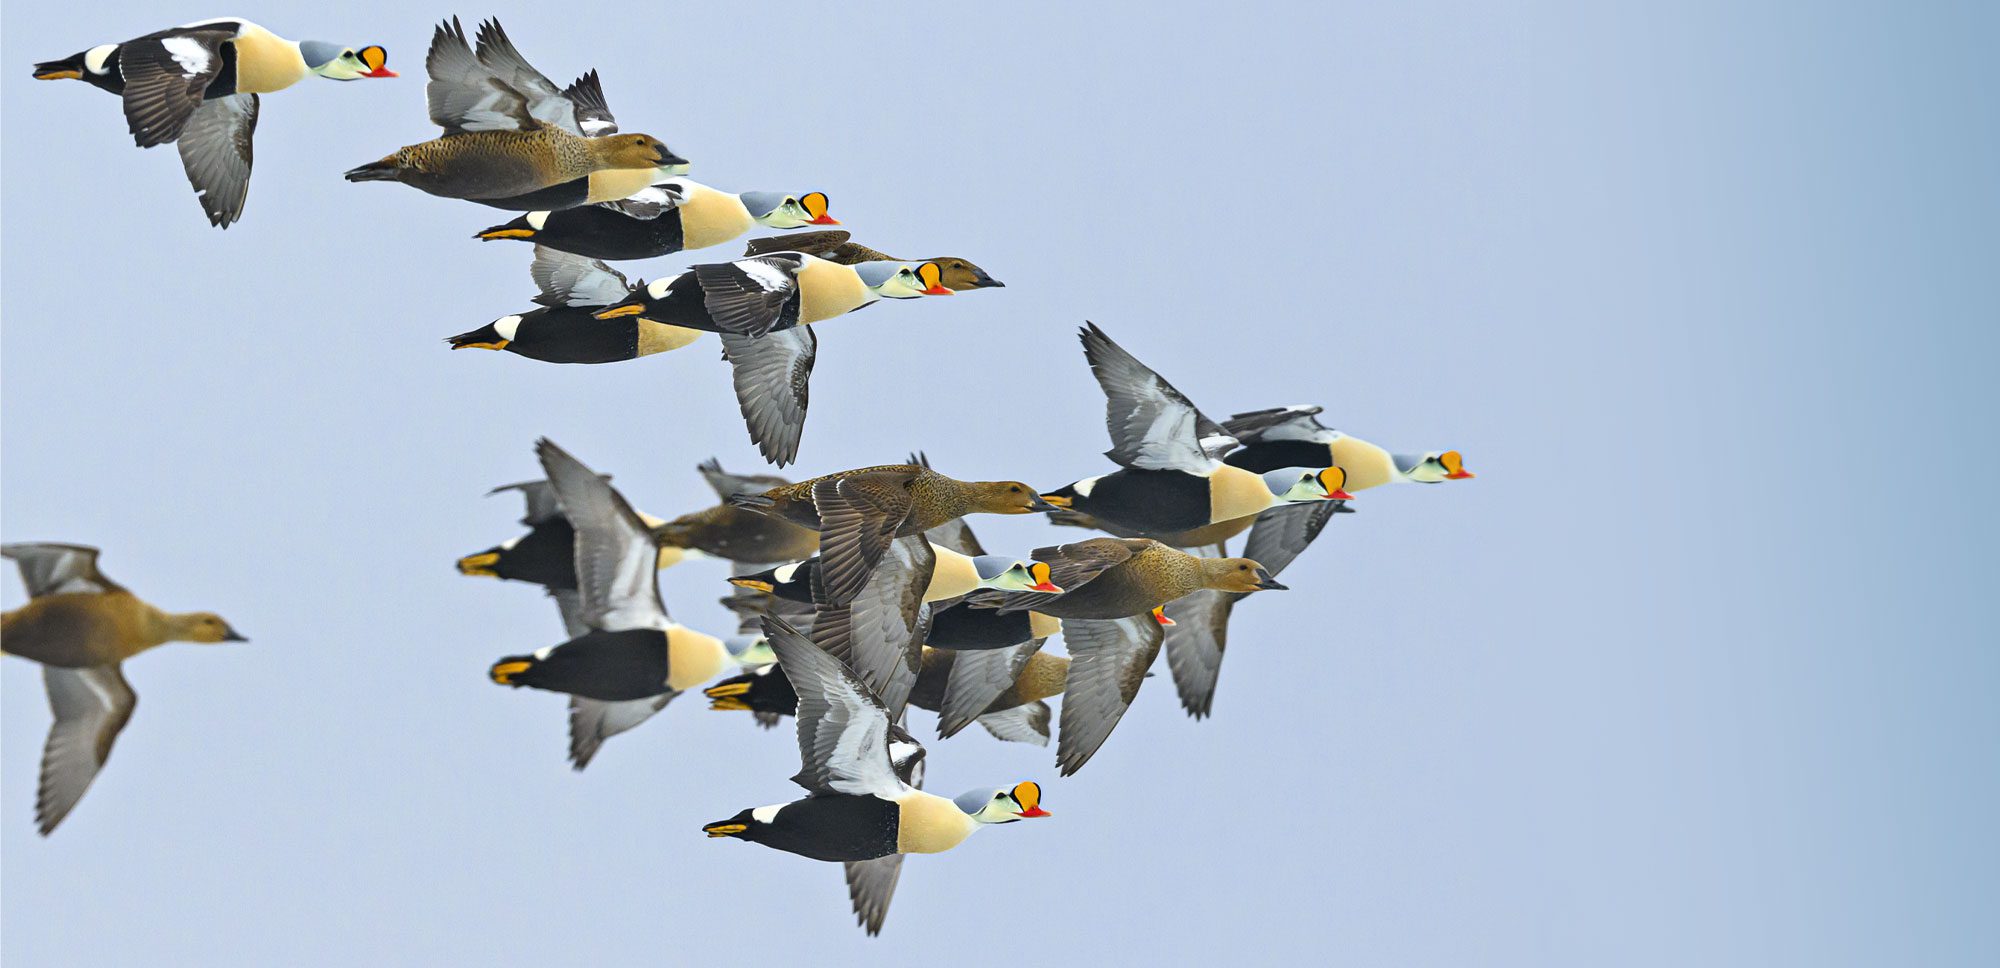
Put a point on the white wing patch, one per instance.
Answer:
(770, 278)
(190, 54)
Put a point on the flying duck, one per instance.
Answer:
(565, 329)
(858, 513)
(1171, 482)
(1198, 622)
(760, 307)
(960, 275)
(80, 626)
(1110, 578)
(1294, 437)
(952, 575)
(671, 215)
(862, 810)
(738, 534)
(510, 133)
(624, 653)
(546, 555)
(197, 85)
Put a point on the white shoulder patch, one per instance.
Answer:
(770, 277)
(190, 54)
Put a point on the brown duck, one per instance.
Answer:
(858, 512)
(735, 533)
(1109, 578)
(80, 626)
(509, 131)
(960, 275)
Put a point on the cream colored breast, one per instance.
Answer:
(692, 658)
(265, 62)
(930, 824)
(953, 576)
(612, 184)
(1042, 626)
(1235, 493)
(828, 290)
(660, 337)
(1366, 464)
(709, 217)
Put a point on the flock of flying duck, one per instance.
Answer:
(860, 593)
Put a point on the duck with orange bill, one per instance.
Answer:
(1294, 437)
(671, 215)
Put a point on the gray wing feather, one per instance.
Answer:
(464, 94)
(843, 729)
(978, 678)
(617, 560)
(773, 377)
(55, 569)
(1282, 533)
(163, 86)
(881, 632)
(565, 279)
(870, 885)
(1021, 724)
(1108, 661)
(546, 102)
(1153, 426)
(729, 485)
(647, 203)
(1279, 423)
(592, 721)
(216, 149)
(91, 706)
(540, 498)
(750, 296)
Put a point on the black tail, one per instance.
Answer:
(384, 170)
(68, 69)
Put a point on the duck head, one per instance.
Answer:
(1006, 497)
(1298, 485)
(960, 275)
(769, 579)
(1237, 575)
(778, 210)
(902, 280)
(1020, 802)
(203, 627)
(1014, 575)
(635, 151)
(1433, 467)
(337, 63)
(750, 651)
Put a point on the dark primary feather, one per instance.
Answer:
(773, 376)
(1152, 425)
(880, 633)
(859, 514)
(750, 305)
(1108, 662)
(160, 93)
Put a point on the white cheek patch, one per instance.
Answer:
(190, 54)
(767, 814)
(94, 58)
(506, 326)
(538, 219)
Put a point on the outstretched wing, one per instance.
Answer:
(592, 721)
(858, 516)
(1108, 659)
(977, 678)
(215, 152)
(773, 377)
(546, 103)
(617, 560)
(729, 485)
(880, 633)
(844, 730)
(91, 705)
(751, 297)
(1153, 426)
(1278, 423)
(56, 569)
(166, 75)
(464, 94)
(566, 279)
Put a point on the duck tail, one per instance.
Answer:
(385, 170)
(508, 671)
(70, 68)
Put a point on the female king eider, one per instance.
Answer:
(1170, 482)
(862, 809)
(197, 85)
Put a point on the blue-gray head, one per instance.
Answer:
(902, 280)
(778, 210)
(1297, 485)
(1432, 467)
(341, 63)
(1013, 574)
(1021, 802)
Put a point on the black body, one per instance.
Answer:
(770, 692)
(799, 589)
(835, 827)
(544, 556)
(569, 194)
(597, 232)
(962, 627)
(113, 80)
(564, 334)
(612, 666)
(1274, 455)
(1145, 501)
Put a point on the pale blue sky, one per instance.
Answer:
(1700, 670)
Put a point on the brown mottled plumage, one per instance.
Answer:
(740, 535)
(500, 164)
(959, 274)
(1111, 578)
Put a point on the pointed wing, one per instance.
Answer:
(870, 885)
(751, 297)
(166, 75)
(822, 244)
(541, 499)
(593, 116)
(1153, 426)
(464, 94)
(858, 516)
(843, 729)
(880, 634)
(1108, 659)
(56, 569)
(773, 377)
(564, 279)
(546, 103)
(1021, 724)
(727, 485)
(1278, 423)
(617, 561)
(592, 721)
(215, 152)
(1282, 533)
(977, 679)
(91, 705)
